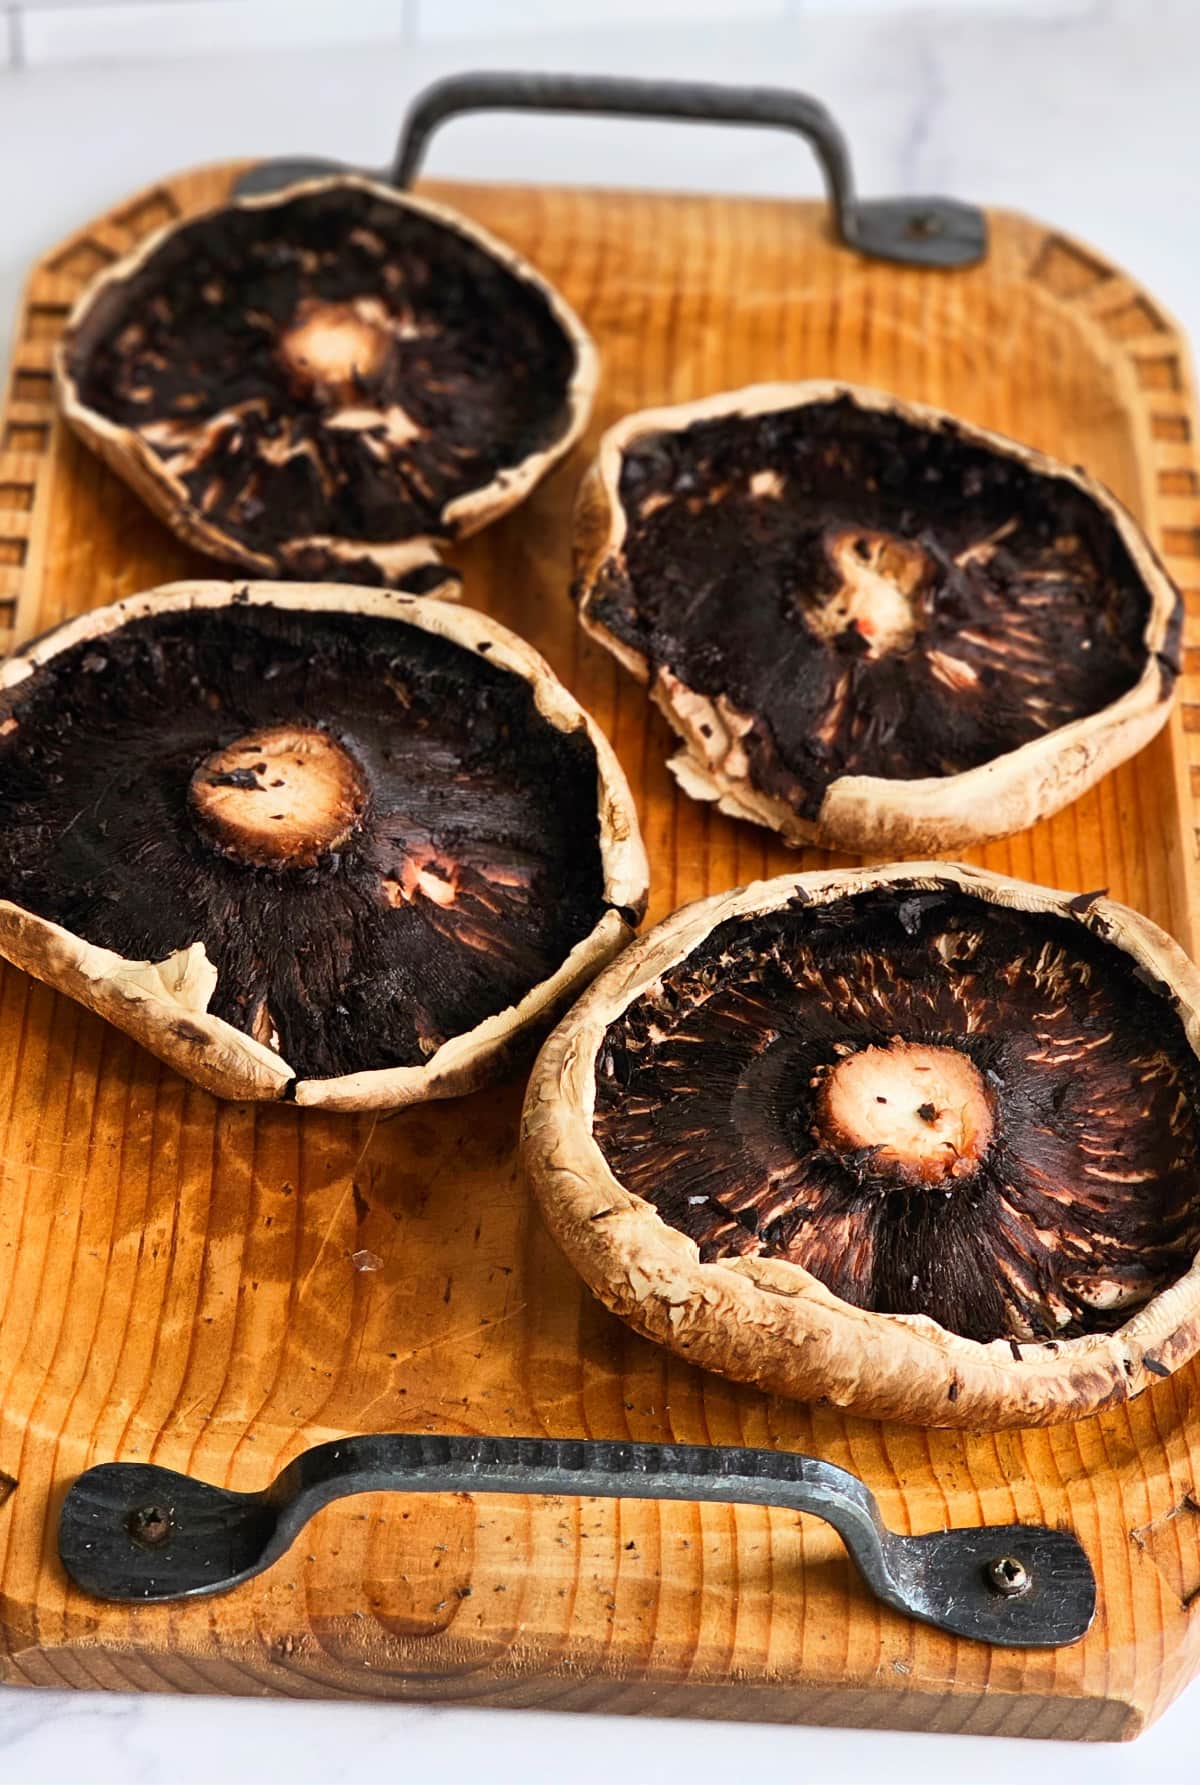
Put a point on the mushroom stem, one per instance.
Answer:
(279, 798)
(880, 579)
(924, 1111)
(336, 348)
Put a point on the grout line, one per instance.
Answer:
(15, 35)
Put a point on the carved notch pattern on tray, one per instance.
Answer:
(150, 212)
(1158, 366)
(28, 417)
(24, 447)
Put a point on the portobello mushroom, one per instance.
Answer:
(333, 844)
(305, 383)
(919, 1140)
(872, 626)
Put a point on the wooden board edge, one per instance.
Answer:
(283, 1673)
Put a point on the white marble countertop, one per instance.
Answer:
(1085, 115)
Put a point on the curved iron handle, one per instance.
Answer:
(135, 1532)
(614, 96)
(926, 232)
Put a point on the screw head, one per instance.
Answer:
(150, 1525)
(922, 225)
(1007, 1576)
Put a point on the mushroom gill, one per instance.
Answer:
(934, 1105)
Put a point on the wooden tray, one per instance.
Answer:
(178, 1277)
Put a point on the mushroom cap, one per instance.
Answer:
(679, 1137)
(333, 844)
(319, 382)
(873, 626)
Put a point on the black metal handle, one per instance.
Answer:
(923, 232)
(135, 1532)
(614, 96)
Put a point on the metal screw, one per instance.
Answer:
(1007, 1576)
(923, 224)
(150, 1525)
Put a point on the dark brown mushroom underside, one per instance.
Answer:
(448, 863)
(880, 598)
(767, 1096)
(329, 365)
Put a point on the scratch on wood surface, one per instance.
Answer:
(421, 1416)
(366, 1146)
(325, 1238)
(350, 1190)
(181, 1415)
(460, 1338)
(1162, 1542)
(1143, 1535)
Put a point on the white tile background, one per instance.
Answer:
(41, 32)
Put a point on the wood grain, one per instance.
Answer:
(177, 1276)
